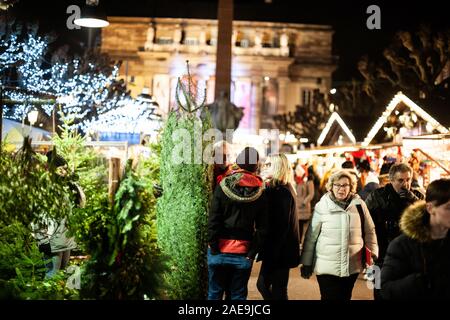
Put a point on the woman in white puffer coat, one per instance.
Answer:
(334, 243)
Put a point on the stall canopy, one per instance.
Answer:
(336, 132)
(412, 113)
(13, 132)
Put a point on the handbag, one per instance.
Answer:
(366, 254)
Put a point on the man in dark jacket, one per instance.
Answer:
(386, 205)
(237, 228)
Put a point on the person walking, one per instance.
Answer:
(281, 251)
(304, 195)
(237, 228)
(386, 205)
(417, 263)
(334, 241)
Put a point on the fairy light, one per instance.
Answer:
(400, 97)
(129, 117)
(335, 117)
(87, 89)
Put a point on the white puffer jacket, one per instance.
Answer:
(334, 241)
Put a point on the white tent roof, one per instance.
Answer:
(400, 97)
(13, 132)
(335, 118)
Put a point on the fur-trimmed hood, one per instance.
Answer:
(415, 222)
(242, 186)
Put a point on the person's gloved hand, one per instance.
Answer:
(306, 271)
(408, 195)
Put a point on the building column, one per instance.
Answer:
(282, 87)
(150, 37)
(256, 101)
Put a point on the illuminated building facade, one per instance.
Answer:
(275, 66)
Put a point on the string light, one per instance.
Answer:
(130, 117)
(400, 97)
(335, 117)
(90, 90)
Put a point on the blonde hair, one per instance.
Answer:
(282, 171)
(323, 183)
(344, 173)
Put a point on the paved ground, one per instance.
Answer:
(302, 289)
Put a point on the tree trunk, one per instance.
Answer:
(114, 177)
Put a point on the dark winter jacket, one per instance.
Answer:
(386, 207)
(238, 212)
(282, 248)
(415, 266)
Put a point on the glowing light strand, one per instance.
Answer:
(89, 91)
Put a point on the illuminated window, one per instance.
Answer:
(306, 97)
(245, 43)
(164, 40)
(191, 42)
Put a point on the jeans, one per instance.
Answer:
(59, 262)
(228, 272)
(273, 282)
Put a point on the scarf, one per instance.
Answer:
(342, 203)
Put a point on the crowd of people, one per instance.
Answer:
(284, 216)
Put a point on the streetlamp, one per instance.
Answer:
(92, 16)
(32, 117)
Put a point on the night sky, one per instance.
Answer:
(351, 40)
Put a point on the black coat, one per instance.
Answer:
(415, 266)
(386, 208)
(282, 248)
(238, 213)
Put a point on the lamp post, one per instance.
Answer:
(32, 118)
(92, 16)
